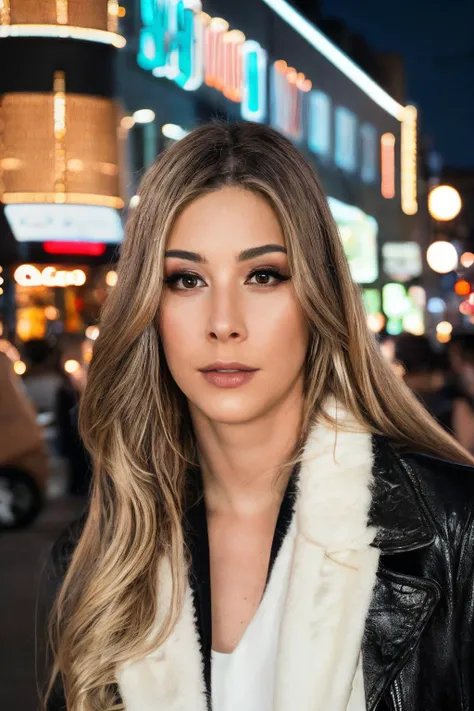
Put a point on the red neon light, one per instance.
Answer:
(289, 86)
(223, 58)
(92, 249)
(387, 158)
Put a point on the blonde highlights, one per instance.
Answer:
(135, 421)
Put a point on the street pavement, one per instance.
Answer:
(23, 556)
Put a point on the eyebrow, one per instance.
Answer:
(243, 256)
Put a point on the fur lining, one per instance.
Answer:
(170, 678)
(333, 573)
(330, 588)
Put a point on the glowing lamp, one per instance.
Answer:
(19, 367)
(71, 366)
(376, 322)
(444, 203)
(144, 116)
(442, 257)
(466, 308)
(462, 287)
(467, 259)
(111, 278)
(444, 328)
(92, 332)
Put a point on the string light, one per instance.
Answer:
(60, 131)
(112, 15)
(64, 32)
(5, 12)
(62, 12)
(64, 198)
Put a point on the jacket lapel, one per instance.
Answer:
(332, 576)
(401, 604)
(336, 491)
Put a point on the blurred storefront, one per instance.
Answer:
(60, 164)
(189, 62)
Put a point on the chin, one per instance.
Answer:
(227, 408)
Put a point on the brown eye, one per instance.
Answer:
(262, 277)
(183, 281)
(189, 281)
(267, 277)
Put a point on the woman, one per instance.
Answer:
(254, 539)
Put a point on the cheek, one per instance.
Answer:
(282, 331)
(177, 328)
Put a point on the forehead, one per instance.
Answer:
(227, 220)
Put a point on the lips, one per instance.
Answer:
(222, 366)
(228, 374)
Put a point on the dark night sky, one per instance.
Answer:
(436, 41)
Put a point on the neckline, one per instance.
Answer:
(197, 541)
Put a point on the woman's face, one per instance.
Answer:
(229, 303)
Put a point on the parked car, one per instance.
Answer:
(24, 456)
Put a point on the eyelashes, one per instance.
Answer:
(173, 280)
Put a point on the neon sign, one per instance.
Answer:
(288, 89)
(169, 44)
(29, 275)
(180, 42)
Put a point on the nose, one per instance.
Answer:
(226, 318)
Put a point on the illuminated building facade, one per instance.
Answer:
(60, 159)
(187, 61)
(174, 64)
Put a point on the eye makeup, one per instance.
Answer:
(173, 279)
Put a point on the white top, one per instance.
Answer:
(245, 679)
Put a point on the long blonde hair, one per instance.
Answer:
(135, 422)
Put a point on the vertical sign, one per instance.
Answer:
(409, 171)
(170, 42)
(254, 90)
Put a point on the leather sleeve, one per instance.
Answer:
(464, 622)
(52, 578)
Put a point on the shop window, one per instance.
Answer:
(319, 138)
(345, 139)
(368, 169)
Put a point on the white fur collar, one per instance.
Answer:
(331, 582)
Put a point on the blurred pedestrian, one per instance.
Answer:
(70, 443)
(428, 378)
(463, 418)
(24, 461)
(44, 375)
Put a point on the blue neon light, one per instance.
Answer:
(369, 156)
(254, 98)
(319, 138)
(345, 139)
(167, 40)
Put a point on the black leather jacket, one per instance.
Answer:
(418, 648)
